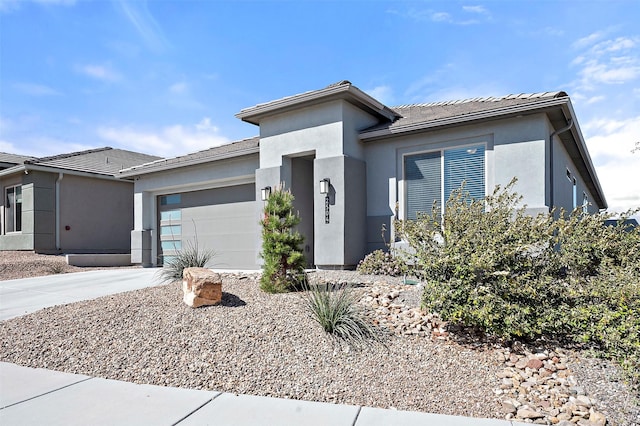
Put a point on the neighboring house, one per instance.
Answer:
(69, 203)
(379, 162)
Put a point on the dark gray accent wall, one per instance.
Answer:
(302, 189)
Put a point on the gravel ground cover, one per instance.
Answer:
(26, 264)
(261, 344)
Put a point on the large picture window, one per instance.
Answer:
(13, 209)
(432, 176)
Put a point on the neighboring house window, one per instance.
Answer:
(13, 209)
(432, 176)
(585, 203)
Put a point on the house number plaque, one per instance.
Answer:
(326, 209)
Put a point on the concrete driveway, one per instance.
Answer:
(23, 296)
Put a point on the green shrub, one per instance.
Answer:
(334, 308)
(190, 256)
(488, 264)
(284, 261)
(381, 262)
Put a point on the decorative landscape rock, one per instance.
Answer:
(533, 387)
(201, 287)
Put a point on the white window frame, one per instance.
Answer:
(6, 209)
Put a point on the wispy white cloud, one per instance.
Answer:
(481, 10)
(444, 84)
(589, 40)
(382, 93)
(611, 143)
(168, 141)
(99, 72)
(12, 5)
(34, 89)
(600, 63)
(138, 15)
(179, 88)
(439, 16)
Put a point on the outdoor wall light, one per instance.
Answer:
(265, 192)
(324, 186)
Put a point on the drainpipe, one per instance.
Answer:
(58, 180)
(557, 132)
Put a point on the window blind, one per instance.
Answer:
(464, 165)
(423, 180)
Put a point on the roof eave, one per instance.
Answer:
(586, 157)
(12, 170)
(367, 136)
(26, 168)
(161, 165)
(346, 92)
(563, 103)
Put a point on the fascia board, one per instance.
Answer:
(584, 154)
(161, 166)
(12, 170)
(73, 172)
(462, 119)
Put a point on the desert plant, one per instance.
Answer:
(190, 256)
(490, 265)
(334, 308)
(380, 262)
(57, 268)
(283, 258)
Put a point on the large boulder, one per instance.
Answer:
(201, 286)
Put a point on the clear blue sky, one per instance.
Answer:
(166, 77)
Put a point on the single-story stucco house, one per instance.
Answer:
(68, 203)
(353, 163)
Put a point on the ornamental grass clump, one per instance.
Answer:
(191, 256)
(334, 308)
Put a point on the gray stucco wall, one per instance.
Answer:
(98, 213)
(514, 147)
(563, 184)
(328, 132)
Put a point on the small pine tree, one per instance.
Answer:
(283, 259)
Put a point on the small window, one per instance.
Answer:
(171, 245)
(171, 215)
(13, 209)
(170, 230)
(166, 200)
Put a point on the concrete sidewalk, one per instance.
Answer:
(34, 396)
(30, 396)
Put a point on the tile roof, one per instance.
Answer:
(105, 161)
(14, 159)
(430, 112)
(234, 149)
